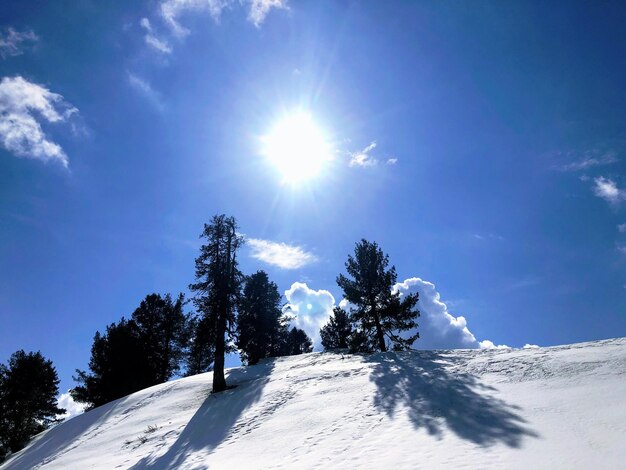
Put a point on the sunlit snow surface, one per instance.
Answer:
(559, 407)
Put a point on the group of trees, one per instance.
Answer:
(29, 386)
(378, 313)
(234, 312)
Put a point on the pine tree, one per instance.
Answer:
(337, 332)
(218, 288)
(164, 330)
(202, 348)
(118, 366)
(29, 386)
(297, 342)
(259, 324)
(379, 313)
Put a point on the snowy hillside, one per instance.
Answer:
(559, 407)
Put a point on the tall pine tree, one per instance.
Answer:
(218, 288)
(379, 313)
(259, 321)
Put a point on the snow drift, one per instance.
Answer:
(558, 407)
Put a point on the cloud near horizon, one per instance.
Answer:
(71, 407)
(23, 106)
(280, 254)
(438, 328)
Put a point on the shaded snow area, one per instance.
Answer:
(558, 407)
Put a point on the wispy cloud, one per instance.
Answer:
(172, 10)
(608, 190)
(152, 40)
(14, 43)
(363, 158)
(144, 87)
(392, 161)
(621, 228)
(280, 254)
(23, 105)
(589, 160)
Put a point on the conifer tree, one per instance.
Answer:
(164, 330)
(29, 386)
(297, 342)
(379, 313)
(217, 289)
(259, 324)
(337, 332)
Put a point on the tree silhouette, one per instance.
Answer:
(337, 332)
(379, 313)
(29, 386)
(218, 288)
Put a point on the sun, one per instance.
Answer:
(297, 147)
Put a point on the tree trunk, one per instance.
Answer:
(219, 382)
(380, 335)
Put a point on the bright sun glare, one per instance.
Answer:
(297, 147)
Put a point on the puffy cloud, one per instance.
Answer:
(530, 346)
(152, 40)
(23, 105)
(607, 189)
(13, 43)
(280, 254)
(486, 344)
(71, 407)
(171, 10)
(438, 328)
(310, 309)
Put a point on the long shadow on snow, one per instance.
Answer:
(213, 421)
(437, 397)
(50, 444)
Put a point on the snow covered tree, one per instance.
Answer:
(218, 288)
(259, 321)
(164, 330)
(336, 333)
(378, 313)
(118, 366)
(29, 386)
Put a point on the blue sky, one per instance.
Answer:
(482, 146)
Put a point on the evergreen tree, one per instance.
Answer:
(259, 324)
(379, 313)
(202, 349)
(337, 332)
(29, 386)
(218, 288)
(164, 330)
(119, 365)
(297, 342)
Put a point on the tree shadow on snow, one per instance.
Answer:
(437, 398)
(214, 420)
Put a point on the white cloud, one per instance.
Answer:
(280, 254)
(607, 189)
(589, 160)
(311, 309)
(152, 40)
(438, 328)
(363, 158)
(530, 346)
(23, 105)
(71, 407)
(486, 344)
(144, 87)
(621, 249)
(260, 8)
(13, 43)
(392, 161)
(171, 10)
(621, 228)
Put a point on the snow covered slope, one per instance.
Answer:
(559, 407)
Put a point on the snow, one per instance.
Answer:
(557, 407)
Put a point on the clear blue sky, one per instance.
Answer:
(498, 170)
